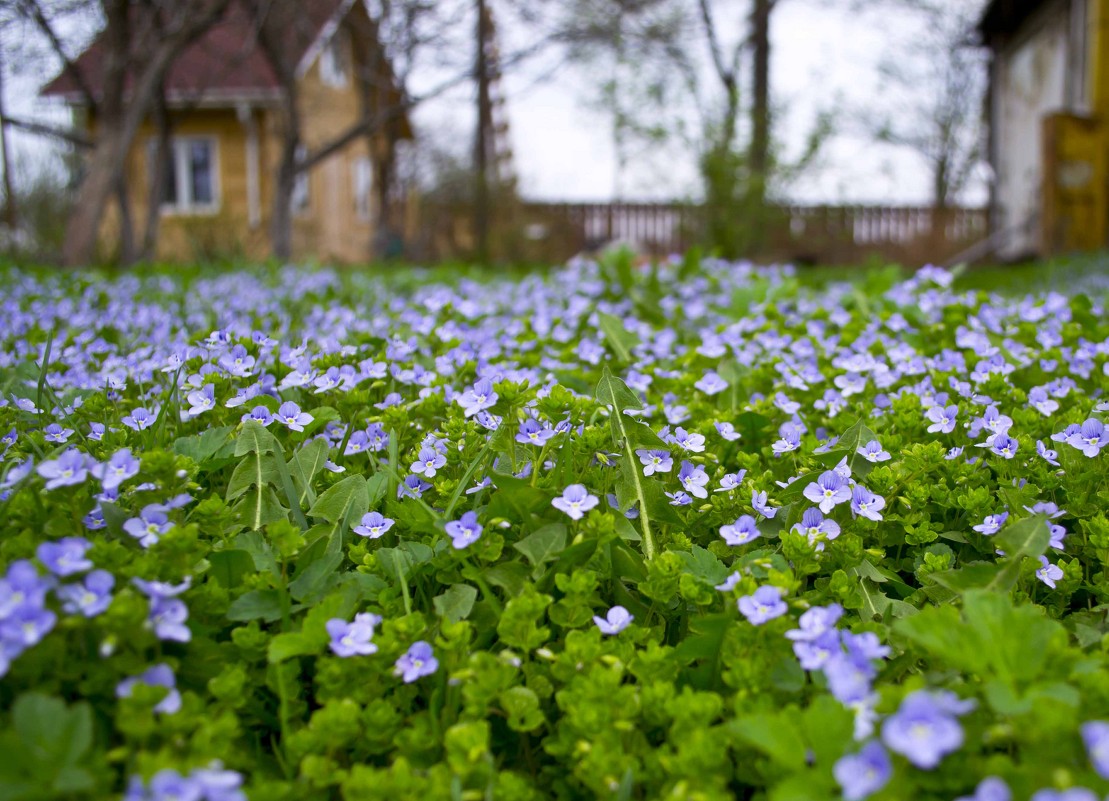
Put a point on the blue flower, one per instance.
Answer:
(354, 638)
(428, 462)
(865, 503)
(828, 491)
(1095, 734)
(1049, 573)
(477, 398)
(873, 452)
(373, 525)
(990, 788)
(925, 727)
(616, 620)
(693, 479)
(160, 675)
(943, 419)
(531, 432)
(290, 415)
(655, 461)
(575, 501)
(464, 532)
(864, 773)
(764, 605)
(418, 661)
(89, 598)
(72, 467)
(741, 532)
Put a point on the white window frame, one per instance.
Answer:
(362, 180)
(179, 147)
(301, 199)
(333, 62)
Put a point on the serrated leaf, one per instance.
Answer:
(230, 565)
(305, 464)
(257, 470)
(256, 605)
(349, 498)
(204, 446)
(704, 565)
(256, 438)
(259, 507)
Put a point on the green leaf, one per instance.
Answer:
(258, 470)
(255, 438)
(1027, 538)
(260, 506)
(256, 605)
(305, 464)
(544, 545)
(512, 577)
(778, 735)
(313, 637)
(204, 446)
(615, 394)
(349, 498)
(617, 337)
(44, 752)
(704, 565)
(229, 566)
(456, 603)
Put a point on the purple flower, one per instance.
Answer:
(373, 525)
(160, 675)
(1048, 573)
(873, 452)
(765, 604)
(575, 501)
(991, 524)
(477, 398)
(428, 462)
(237, 361)
(167, 618)
(290, 415)
(693, 480)
(990, 788)
(711, 383)
(152, 522)
(1039, 400)
(1090, 438)
(758, 503)
(815, 653)
(816, 622)
(90, 598)
(66, 556)
(615, 621)
(864, 773)
(413, 486)
(72, 467)
(790, 439)
(814, 526)
(655, 461)
(727, 431)
(1047, 453)
(1095, 734)
(943, 419)
(353, 639)
(139, 419)
(120, 467)
(730, 481)
(25, 626)
(689, 441)
(828, 491)
(741, 532)
(464, 532)
(730, 582)
(201, 400)
(1001, 444)
(260, 415)
(925, 727)
(418, 661)
(55, 433)
(865, 503)
(532, 433)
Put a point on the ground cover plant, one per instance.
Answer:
(693, 532)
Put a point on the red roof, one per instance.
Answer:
(226, 62)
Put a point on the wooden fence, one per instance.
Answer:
(553, 232)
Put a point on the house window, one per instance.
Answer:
(363, 187)
(189, 183)
(333, 63)
(300, 198)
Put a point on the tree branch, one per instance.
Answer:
(69, 136)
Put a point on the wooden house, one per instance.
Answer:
(224, 112)
(1048, 111)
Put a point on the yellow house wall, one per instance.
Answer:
(185, 236)
(330, 229)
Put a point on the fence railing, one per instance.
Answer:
(552, 232)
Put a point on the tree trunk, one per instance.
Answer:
(102, 174)
(156, 185)
(126, 223)
(281, 220)
(11, 211)
(760, 99)
(482, 204)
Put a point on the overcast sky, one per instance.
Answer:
(824, 59)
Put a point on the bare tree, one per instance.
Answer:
(934, 85)
(138, 44)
